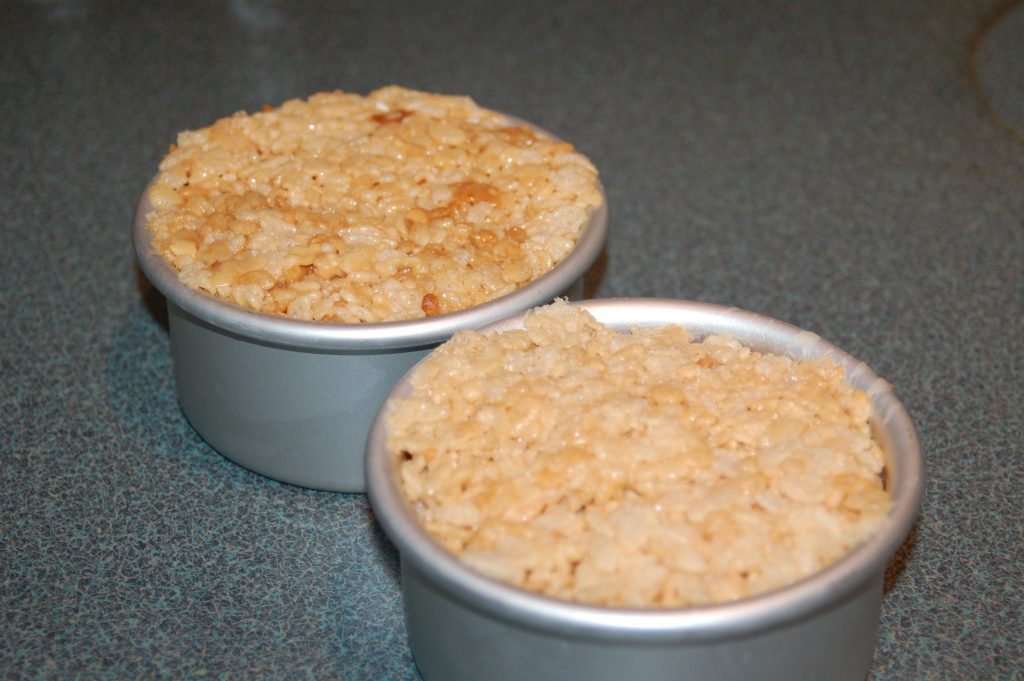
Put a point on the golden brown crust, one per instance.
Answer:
(354, 209)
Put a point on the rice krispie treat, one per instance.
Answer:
(344, 208)
(636, 469)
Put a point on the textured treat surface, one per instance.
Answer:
(636, 469)
(397, 205)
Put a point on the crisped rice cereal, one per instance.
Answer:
(397, 205)
(636, 469)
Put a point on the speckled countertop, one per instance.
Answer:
(852, 168)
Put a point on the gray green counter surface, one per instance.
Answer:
(852, 168)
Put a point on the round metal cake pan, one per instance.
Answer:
(293, 400)
(463, 625)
